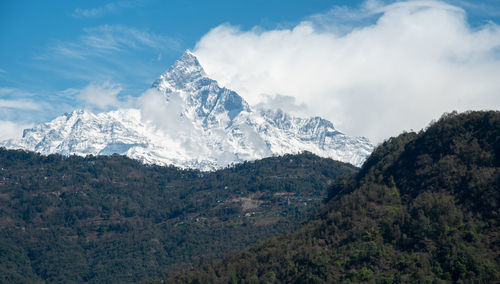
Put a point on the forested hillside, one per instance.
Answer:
(424, 207)
(112, 219)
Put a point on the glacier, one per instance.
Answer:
(187, 120)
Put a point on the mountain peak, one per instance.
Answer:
(188, 61)
(186, 69)
(188, 55)
(203, 126)
(200, 98)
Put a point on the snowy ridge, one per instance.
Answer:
(201, 126)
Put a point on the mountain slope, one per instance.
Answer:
(423, 208)
(111, 219)
(187, 120)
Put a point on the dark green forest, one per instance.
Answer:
(113, 219)
(424, 208)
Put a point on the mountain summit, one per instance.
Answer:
(203, 101)
(186, 69)
(186, 119)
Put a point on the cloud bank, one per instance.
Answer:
(374, 71)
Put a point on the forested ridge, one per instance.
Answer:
(423, 208)
(113, 219)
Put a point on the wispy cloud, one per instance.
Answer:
(402, 67)
(106, 39)
(107, 52)
(6, 92)
(14, 98)
(115, 38)
(343, 19)
(17, 109)
(22, 107)
(100, 11)
(19, 104)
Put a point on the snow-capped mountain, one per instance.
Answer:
(188, 120)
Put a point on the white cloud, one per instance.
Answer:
(19, 104)
(13, 98)
(285, 103)
(406, 66)
(12, 130)
(122, 37)
(13, 92)
(164, 114)
(107, 52)
(108, 39)
(100, 11)
(95, 12)
(102, 95)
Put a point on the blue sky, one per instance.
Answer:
(52, 49)
(49, 46)
(55, 55)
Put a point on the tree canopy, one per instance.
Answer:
(423, 208)
(113, 219)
